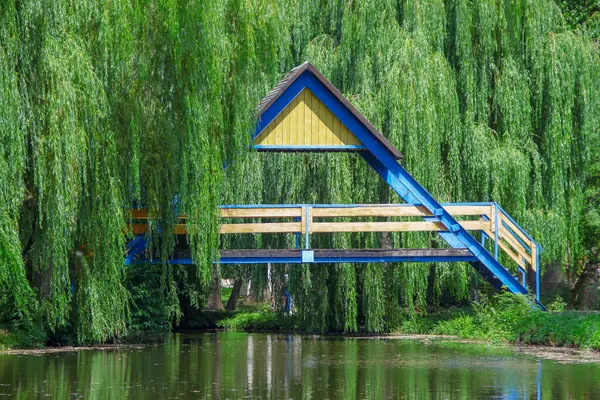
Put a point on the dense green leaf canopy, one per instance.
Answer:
(104, 105)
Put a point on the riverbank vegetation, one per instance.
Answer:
(503, 318)
(108, 105)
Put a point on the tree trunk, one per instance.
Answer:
(576, 288)
(214, 300)
(235, 294)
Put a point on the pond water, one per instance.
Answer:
(232, 365)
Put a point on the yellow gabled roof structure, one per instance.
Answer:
(307, 122)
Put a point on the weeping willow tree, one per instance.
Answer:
(105, 105)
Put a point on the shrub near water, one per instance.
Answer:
(255, 321)
(511, 318)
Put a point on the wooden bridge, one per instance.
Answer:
(305, 112)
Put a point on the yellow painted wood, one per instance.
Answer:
(284, 227)
(534, 251)
(140, 229)
(395, 211)
(425, 226)
(303, 135)
(510, 239)
(516, 257)
(512, 226)
(375, 210)
(294, 116)
(306, 121)
(316, 124)
(139, 213)
(266, 212)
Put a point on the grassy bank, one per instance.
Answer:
(502, 318)
(14, 339)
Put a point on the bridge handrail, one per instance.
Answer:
(493, 220)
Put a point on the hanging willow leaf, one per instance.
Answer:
(105, 105)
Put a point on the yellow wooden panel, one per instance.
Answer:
(392, 226)
(328, 118)
(140, 229)
(278, 130)
(395, 211)
(287, 227)
(300, 120)
(510, 239)
(293, 121)
(337, 131)
(516, 229)
(316, 124)
(262, 212)
(307, 131)
(507, 249)
(306, 121)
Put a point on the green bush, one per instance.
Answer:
(512, 318)
(149, 310)
(462, 325)
(21, 338)
(259, 321)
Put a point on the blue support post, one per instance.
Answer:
(297, 234)
(497, 228)
(307, 238)
(537, 272)
(135, 247)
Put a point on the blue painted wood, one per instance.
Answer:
(384, 163)
(537, 273)
(281, 103)
(135, 247)
(519, 226)
(513, 233)
(234, 206)
(317, 260)
(409, 189)
(307, 236)
(307, 148)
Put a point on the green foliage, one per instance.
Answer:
(558, 305)
(568, 329)
(149, 310)
(108, 104)
(258, 321)
(11, 338)
(511, 318)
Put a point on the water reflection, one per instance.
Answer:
(237, 365)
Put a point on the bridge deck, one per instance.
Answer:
(298, 256)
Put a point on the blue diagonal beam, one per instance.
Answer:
(135, 247)
(404, 193)
(409, 190)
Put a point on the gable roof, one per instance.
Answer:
(295, 73)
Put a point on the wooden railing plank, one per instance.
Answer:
(510, 239)
(394, 211)
(283, 227)
(421, 226)
(516, 257)
(265, 212)
(516, 229)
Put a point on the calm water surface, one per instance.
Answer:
(230, 365)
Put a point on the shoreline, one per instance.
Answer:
(558, 354)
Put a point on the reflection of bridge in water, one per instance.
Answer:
(306, 113)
